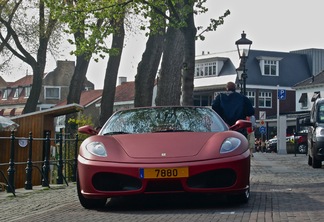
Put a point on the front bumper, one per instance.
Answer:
(107, 179)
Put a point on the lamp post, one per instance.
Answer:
(243, 48)
(239, 72)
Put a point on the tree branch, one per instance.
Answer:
(173, 10)
(156, 9)
(26, 57)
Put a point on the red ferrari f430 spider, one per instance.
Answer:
(163, 150)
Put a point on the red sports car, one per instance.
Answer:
(163, 150)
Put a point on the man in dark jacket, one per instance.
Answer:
(232, 106)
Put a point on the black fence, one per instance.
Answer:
(62, 160)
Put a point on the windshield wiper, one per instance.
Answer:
(115, 133)
(172, 130)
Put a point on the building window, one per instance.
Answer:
(27, 91)
(199, 70)
(251, 96)
(265, 99)
(270, 68)
(203, 100)
(212, 69)
(16, 94)
(303, 100)
(206, 69)
(5, 94)
(52, 92)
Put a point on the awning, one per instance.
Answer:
(9, 112)
(18, 111)
(303, 98)
(316, 96)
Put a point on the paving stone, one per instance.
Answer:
(283, 188)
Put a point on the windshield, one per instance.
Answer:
(164, 119)
(321, 113)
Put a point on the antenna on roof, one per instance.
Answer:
(26, 72)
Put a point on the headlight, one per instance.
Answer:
(97, 149)
(230, 144)
(319, 132)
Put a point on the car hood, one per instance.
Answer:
(162, 145)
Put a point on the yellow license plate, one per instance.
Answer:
(153, 173)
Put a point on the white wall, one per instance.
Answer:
(310, 93)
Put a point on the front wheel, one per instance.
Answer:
(241, 198)
(316, 163)
(89, 203)
(310, 160)
(244, 197)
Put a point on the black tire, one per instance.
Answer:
(241, 198)
(316, 163)
(244, 197)
(89, 203)
(310, 160)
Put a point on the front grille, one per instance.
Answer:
(115, 182)
(163, 186)
(213, 179)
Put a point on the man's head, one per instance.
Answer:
(230, 86)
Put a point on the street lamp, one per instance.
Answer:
(239, 72)
(243, 48)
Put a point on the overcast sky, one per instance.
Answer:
(276, 25)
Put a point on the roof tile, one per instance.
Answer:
(125, 92)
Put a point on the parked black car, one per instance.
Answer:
(271, 145)
(315, 137)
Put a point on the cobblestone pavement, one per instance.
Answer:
(283, 188)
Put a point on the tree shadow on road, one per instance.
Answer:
(276, 198)
(169, 202)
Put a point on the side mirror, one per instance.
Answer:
(241, 124)
(87, 130)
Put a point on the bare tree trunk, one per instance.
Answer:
(78, 79)
(76, 87)
(169, 80)
(189, 33)
(147, 69)
(108, 94)
(32, 102)
(77, 83)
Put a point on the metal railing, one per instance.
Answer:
(64, 164)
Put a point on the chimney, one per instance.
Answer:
(121, 80)
(65, 67)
